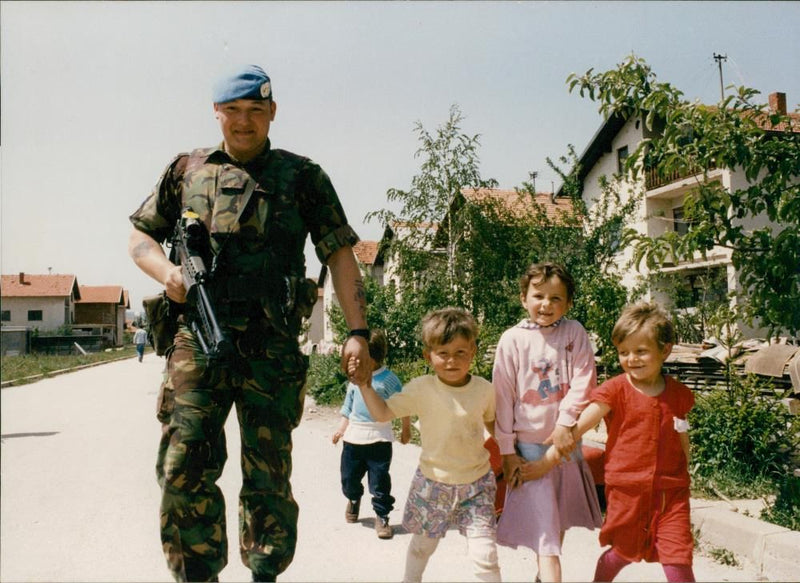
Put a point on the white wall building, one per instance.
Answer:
(661, 206)
(44, 302)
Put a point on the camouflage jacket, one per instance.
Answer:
(293, 197)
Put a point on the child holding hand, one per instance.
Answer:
(454, 484)
(543, 373)
(367, 445)
(647, 452)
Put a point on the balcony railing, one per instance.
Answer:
(653, 179)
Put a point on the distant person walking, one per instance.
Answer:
(140, 339)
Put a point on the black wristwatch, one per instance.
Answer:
(363, 332)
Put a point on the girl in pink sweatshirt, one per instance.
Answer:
(543, 373)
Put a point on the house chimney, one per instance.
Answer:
(777, 103)
(22, 278)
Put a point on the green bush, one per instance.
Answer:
(786, 509)
(742, 439)
(326, 382)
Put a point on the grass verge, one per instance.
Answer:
(19, 368)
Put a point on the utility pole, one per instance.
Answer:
(533, 176)
(719, 59)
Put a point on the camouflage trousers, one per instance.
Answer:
(267, 390)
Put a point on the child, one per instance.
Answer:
(647, 453)
(543, 373)
(454, 484)
(367, 445)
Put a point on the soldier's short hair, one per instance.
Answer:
(648, 317)
(443, 326)
(378, 346)
(541, 272)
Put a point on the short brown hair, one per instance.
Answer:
(378, 346)
(443, 326)
(540, 272)
(644, 316)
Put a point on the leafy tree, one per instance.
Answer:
(398, 317)
(585, 242)
(703, 293)
(694, 139)
(450, 163)
(471, 251)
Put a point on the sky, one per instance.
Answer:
(98, 97)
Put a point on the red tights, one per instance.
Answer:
(610, 564)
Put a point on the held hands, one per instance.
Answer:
(405, 431)
(537, 469)
(563, 439)
(517, 470)
(353, 372)
(511, 469)
(356, 362)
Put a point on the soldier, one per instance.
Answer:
(258, 205)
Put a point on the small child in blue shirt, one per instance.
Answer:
(367, 444)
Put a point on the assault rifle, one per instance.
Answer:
(191, 244)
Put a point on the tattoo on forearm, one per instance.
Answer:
(142, 249)
(361, 298)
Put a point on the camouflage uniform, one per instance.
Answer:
(292, 198)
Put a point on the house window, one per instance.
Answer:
(5, 316)
(622, 155)
(34, 315)
(681, 225)
(702, 288)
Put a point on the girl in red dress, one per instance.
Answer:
(647, 453)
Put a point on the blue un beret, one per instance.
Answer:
(248, 82)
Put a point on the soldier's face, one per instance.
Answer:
(245, 126)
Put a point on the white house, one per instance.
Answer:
(321, 332)
(45, 302)
(662, 206)
(315, 326)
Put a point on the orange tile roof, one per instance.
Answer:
(37, 286)
(793, 123)
(102, 294)
(398, 225)
(519, 202)
(763, 121)
(366, 251)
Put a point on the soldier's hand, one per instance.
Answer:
(174, 285)
(356, 348)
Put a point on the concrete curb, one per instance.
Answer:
(773, 551)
